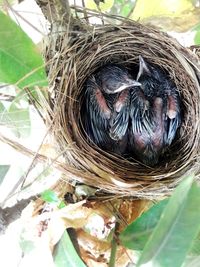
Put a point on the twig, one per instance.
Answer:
(85, 12)
(114, 246)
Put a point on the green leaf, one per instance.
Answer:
(196, 29)
(65, 253)
(119, 1)
(61, 205)
(138, 232)
(20, 120)
(126, 9)
(179, 225)
(197, 38)
(195, 249)
(16, 116)
(20, 62)
(3, 171)
(50, 196)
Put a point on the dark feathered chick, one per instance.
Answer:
(155, 113)
(106, 114)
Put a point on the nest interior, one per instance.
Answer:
(79, 54)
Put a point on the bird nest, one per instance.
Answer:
(78, 53)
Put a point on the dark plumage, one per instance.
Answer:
(106, 114)
(155, 113)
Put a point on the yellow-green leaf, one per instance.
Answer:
(179, 16)
(103, 6)
(170, 8)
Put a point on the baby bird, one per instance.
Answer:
(155, 113)
(107, 103)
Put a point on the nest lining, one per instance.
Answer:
(76, 59)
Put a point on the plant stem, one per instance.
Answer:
(114, 247)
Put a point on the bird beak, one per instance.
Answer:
(130, 83)
(143, 68)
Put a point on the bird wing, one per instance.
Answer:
(173, 116)
(120, 117)
(140, 112)
(97, 114)
(144, 139)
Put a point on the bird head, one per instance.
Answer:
(150, 78)
(115, 79)
(144, 69)
(149, 71)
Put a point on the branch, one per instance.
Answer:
(56, 11)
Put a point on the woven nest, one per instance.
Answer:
(74, 56)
